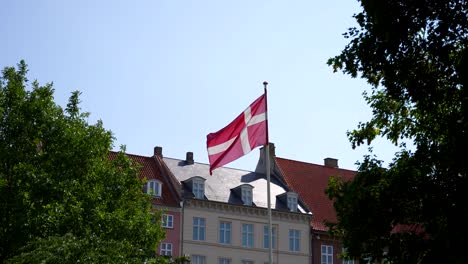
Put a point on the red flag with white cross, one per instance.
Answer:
(248, 131)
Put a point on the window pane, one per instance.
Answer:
(198, 228)
(202, 233)
(156, 189)
(247, 235)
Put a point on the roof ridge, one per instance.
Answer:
(130, 154)
(315, 164)
(207, 164)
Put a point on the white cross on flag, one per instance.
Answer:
(248, 131)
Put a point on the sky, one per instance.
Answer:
(168, 72)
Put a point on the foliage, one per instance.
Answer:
(62, 199)
(414, 54)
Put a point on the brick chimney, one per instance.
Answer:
(331, 162)
(158, 151)
(189, 158)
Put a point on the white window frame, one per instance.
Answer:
(292, 201)
(199, 229)
(225, 232)
(266, 235)
(198, 259)
(294, 240)
(347, 261)
(247, 236)
(247, 196)
(166, 249)
(224, 261)
(167, 221)
(198, 188)
(154, 187)
(326, 254)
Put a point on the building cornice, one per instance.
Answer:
(244, 210)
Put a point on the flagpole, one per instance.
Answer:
(267, 164)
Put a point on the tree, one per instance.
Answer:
(62, 200)
(414, 54)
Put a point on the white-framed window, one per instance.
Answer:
(167, 221)
(292, 201)
(225, 232)
(346, 260)
(199, 228)
(246, 195)
(166, 249)
(198, 188)
(247, 235)
(246, 261)
(266, 236)
(327, 254)
(294, 240)
(154, 187)
(224, 261)
(197, 259)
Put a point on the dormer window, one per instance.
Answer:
(154, 188)
(246, 192)
(292, 201)
(198, 188)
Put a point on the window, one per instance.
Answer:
(247, 195)
(198, 228)
(266, 236)
(247, 261)
(197, 259)
(167, 221)
(346, 260)
(224, 232)
(247, 235)
(166, 249)
(198, 189)
(292, 202)
(327, 254)
(224, 261)
(153, 187)
(294, 240)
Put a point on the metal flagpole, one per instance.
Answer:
(267, 164)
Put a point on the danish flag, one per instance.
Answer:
(248, 131)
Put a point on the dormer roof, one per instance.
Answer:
(222, 186)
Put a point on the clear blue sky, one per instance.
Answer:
(168, 72)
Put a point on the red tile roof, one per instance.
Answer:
(310, 181)
(151, 168)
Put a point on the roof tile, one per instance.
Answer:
(310, 181)
(151, 170)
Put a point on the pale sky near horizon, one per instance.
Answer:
(168, 72)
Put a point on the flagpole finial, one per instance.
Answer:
(265, 83)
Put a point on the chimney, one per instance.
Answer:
(158, 151)
(331, 162)
(261, 166)
(272, 150)
(189, 158)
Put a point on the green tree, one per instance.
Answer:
(414, 54)
(62, 200)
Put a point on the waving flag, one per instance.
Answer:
(248, 131)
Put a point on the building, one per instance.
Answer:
(165, 197)
(225, 220)
(309, 181)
